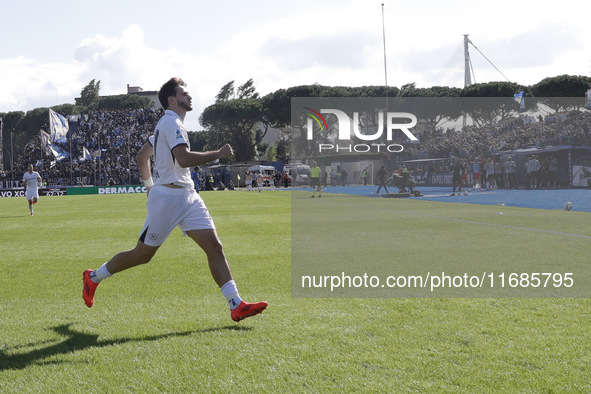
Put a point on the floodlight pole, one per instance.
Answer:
(385, 65)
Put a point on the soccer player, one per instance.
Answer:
(248, 181)
(315, 180)
(260, 182)
(32, 181)
(173, 201)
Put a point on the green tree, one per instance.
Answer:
(562, 86)
(496, 101)
(237, 122)
(282, 149)
(238, 118)
(271, 153)
(30, 125)
(124, 101)
(202, 140)
(10, 122)
(563, 92)
(67, 109)
(433, 106)
(90, 95)
(226, 93)
(493, 89)
(247, 90)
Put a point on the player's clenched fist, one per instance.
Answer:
(226, 151)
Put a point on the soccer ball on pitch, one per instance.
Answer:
(568, 206)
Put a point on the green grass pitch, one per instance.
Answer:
(165, 327)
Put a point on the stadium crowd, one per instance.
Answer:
(113, 139)
(571, 128)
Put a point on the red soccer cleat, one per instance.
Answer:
(88, 289)
(246, 309)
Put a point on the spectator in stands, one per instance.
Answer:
(552, 171)
(195, 177)
(533, 168)
(510, 167)
(499, 173)
(491, 183)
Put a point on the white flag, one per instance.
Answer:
(45, 140)
(85, 154)
(59, 127)
(58, 152)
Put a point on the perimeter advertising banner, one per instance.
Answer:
(344, 246)
(63, 191)
(44, 192)
(122, 189)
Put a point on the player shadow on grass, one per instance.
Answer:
(80, 341)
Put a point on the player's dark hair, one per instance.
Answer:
(169, 89)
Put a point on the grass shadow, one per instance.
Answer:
(80, 341)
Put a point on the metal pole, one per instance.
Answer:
(385, 66)
(1, 145)
(71, 166)
(12, 155)
(41, 154)
(128, 162)
(467, 74)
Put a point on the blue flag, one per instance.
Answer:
(520, 98)
(58, 152)
(59, 127)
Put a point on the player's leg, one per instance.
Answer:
(164, 213)
(141, 254)
(30, 195)
(208, 240)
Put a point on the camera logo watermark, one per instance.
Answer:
(350, 126)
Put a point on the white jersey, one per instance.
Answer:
(31, 180)
(170, 133)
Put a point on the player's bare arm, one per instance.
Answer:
(186, 158)
(143, 161)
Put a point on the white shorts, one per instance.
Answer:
(169, 208)
(32, 193)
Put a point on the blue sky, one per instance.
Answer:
(51, 50)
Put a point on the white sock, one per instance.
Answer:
(102, 273)
(230, 291)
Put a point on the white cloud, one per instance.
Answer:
(115, 61)
(332, 43)
(28, 83)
